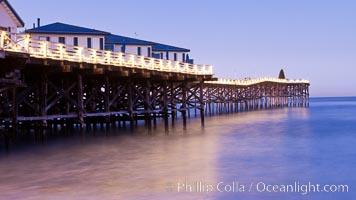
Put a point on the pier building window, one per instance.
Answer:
(101, 41)
(62, 40)
(139, 51)
(75, 41)
(175, 56)
(149, 52)
(89, 42)
(44, 38)
(161, 55)
(183, 59)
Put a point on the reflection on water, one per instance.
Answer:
(274, 146)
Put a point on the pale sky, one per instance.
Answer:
(310, 39)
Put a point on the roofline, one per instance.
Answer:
(185, 50)
(64, 33)
(120, 43)
(34, 30)
(130, 43)
(14, 12)
(149, 44)
(182, 49)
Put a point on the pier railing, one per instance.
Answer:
(252, 81)
(58, 51)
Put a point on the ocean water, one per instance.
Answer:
(249, 155)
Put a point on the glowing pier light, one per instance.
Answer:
(185, 69)
(203, 69)
(152, 63)
(132, 59)
(141, 62)
(168, 66)
(108, 57)
(80, 54)
(60, 51)
(44, 49)
(195, 69)
(161, 65)
(94, 55)
(120, 58)
(2, 39)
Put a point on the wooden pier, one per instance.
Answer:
(45, 84)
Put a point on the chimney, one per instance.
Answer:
(38, 22)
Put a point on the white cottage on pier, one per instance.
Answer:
(9, 19)
(70, 35)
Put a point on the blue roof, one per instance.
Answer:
(60, 28)
(118, 39)
(164, 47)
(14, 12)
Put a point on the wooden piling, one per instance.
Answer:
(80, 100)
(201, 102)
(165, 106)
(184, 104)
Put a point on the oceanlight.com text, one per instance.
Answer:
(260, 187)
